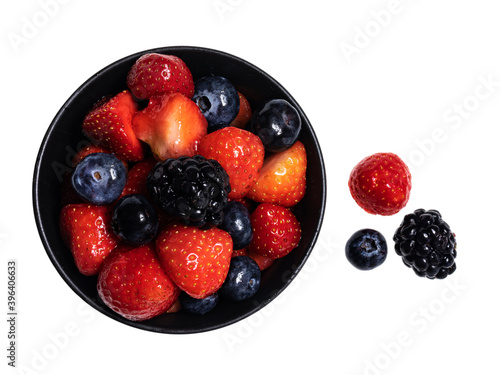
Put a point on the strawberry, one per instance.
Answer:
(172, 125)
(108, 124)
(133, 284)
(380, 184)
(176, 307)
(87, 150)
(276, 231)
(282, 179)
(239, 252)
(155, 73)
(136, 177)
(244, 114)
(262, 261)
(240, 153)
(197, 260)
(86, 230)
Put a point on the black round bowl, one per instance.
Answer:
(64, 136)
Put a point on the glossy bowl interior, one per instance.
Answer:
(64, 135)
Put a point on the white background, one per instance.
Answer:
(400, 76)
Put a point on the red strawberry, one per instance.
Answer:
(176, 307)
(197, 260)
(244, 114)
(262, 261)
(155, 73)
(92, 149)
(172, 125)
(239, 252)
(136, 177)
(133, 284)
(87, 150)
(240, 153)
(108, 124)
(86, 230)
(282, 179)
(380, 184)
(276, 231)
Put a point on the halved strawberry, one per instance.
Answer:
(133, 284)
(282, 179)
(86, 230)
(155, 73)
(172, 125)
(276, 231)
(244, 114)
(108, 124)
(197, 260)
(240, 153)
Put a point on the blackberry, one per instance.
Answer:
(427, 244)
(193, 189)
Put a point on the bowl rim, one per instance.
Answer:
(144, 324)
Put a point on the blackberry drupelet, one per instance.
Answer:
(427, 244)
(192, 189)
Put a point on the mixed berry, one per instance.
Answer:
(183, 198)
(381, 184)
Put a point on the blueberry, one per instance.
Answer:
(366, 249)
(198, 306)
(134, 220)
(237, 223)
(243, 279)
(218, 100)
(277, 123)
(99, 178)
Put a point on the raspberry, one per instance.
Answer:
(427, 244)
(193, 189)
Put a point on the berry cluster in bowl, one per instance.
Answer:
(185, 195)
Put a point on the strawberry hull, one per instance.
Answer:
(64, 138)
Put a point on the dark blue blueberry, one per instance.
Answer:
(99, 178)
(277, 123)
(366, 249)
(237, 223)
(198, 306)
(218, 100)
(243, 279)
(134, 220)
